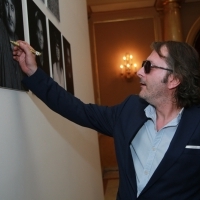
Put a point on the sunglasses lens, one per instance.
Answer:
(147, 66)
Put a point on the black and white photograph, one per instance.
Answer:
(38, 35)
(53, 6)
(68, 66)
(11, 29)
(56, 55)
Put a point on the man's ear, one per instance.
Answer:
(173, 82)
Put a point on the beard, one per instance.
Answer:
(154, 92)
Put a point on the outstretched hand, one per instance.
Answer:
(25, 57)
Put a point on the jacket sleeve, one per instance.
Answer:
(99, 118)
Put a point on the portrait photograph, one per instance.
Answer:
(56, 55)
(11, 29)
(38, 35)
(53, 6)
(68, 66)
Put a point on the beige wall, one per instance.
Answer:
(44, 156)
(113, 34)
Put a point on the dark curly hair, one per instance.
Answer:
(183, 59)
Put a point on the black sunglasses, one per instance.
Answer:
(147, 67)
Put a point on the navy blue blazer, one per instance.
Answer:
(178, 175)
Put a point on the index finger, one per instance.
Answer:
(24, 46)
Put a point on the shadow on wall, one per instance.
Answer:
(72, 135)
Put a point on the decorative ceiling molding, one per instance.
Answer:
(113, 5)
(121, 5)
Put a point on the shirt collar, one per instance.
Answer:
(150, 112)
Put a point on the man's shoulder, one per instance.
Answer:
(136, 100)
(134, 103)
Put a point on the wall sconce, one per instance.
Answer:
(128, 68)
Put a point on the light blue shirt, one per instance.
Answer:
(149, 146)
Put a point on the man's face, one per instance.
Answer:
(10, 15)
(57, 51)
(153, 87)
(39, 34)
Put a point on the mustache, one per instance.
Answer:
(10, 18)
(142, 82)
(10, 21)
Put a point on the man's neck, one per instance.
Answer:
(166, 113)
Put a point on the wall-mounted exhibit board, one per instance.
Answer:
(44, 156)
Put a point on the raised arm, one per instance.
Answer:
(99, 118)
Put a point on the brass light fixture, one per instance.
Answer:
(128, 68)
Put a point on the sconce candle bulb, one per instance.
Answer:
(121, 69)
(135, 67)
(126, 67)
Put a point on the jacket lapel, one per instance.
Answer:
(131, 131)
(186, 128)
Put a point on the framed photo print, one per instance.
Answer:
(53, 6)
(38, 35)
(56, 55)
(68, 66)
(11, 29)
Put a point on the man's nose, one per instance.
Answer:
(140, 72)
(9, 11)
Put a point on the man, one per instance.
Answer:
(10, 72)
(38, 35)
(10, 18)
(57, 67)
(156, 134)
